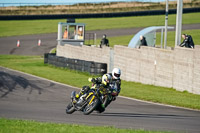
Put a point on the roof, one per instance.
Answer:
(135, 40)
(81, 24)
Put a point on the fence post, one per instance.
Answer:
(111, 63)
(59, 33)
(95, 38)
(178, 22)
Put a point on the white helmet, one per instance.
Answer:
(116, 72)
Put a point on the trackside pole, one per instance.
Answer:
(178, 22)
(166, 24)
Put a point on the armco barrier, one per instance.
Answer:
(91, 67)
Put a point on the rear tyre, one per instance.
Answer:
(107, 101)
(100, 109)
(70, 109)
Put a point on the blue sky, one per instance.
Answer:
(2, 2)
(65, 1)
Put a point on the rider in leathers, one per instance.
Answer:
(115, 79)
(105, 81)
(116, 73)
(97, 82)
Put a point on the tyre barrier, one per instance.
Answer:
(94, 68)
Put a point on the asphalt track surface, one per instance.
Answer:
(28, 43)
(28, 97)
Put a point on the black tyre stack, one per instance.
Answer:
(49, 58)
(98, 68)
(91, 67)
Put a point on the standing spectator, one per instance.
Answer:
(187, 42)
(104, 41)
(143, 41)
(65, 35)
(80, 33)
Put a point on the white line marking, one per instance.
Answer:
(160, 104)
(118, 96)
(40, 78)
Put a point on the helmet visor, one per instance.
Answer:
(116, 75)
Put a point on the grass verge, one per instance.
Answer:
(25, 27)
(24, 126)
(34, 65)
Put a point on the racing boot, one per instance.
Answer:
(76, 98)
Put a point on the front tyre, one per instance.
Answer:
(92, 106)
(70, 108)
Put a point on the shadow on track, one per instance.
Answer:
(9, 82)
(134, 115)
(13, 50)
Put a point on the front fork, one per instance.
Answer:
(73, 95)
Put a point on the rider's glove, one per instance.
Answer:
(90, 79)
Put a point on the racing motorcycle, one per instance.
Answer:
(86, 103)
(96, 98)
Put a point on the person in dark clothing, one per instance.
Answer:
(115, 79)
(104, 41)
(187, 42)
(143, 41)
(106, 80)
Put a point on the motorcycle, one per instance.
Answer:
(87, 103)
(96, 98)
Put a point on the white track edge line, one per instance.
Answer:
(161, 104)
(129, 98)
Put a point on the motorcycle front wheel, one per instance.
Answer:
(91, 106)
(70, 108)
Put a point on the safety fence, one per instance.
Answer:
(91, 67)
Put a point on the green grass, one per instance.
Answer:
(25, 126)
(171, 37)
(53, 50)
(34, 65)
(25, 27)
(160, 95)
(124, 40)
(91, 8)
(118, 40)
